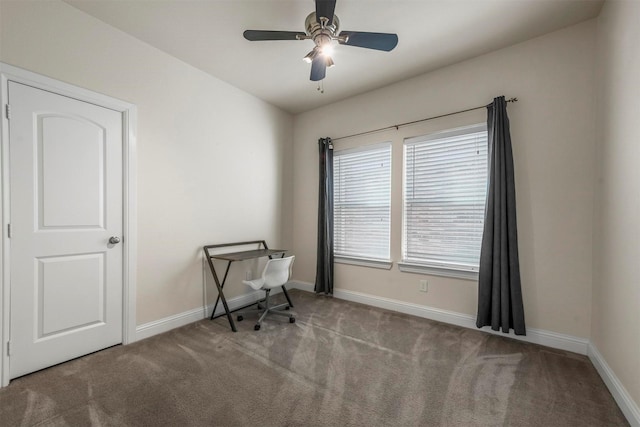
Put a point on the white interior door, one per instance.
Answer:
(66, 204)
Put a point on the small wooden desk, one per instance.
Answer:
(237, 256)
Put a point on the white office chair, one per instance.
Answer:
(276, 273)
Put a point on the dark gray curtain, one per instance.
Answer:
(499, 291)
(324, 265)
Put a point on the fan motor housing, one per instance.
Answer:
(322, 33)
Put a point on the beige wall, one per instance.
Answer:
(554, 147)
(213, 162)
(616, 290)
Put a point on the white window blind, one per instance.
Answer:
(445, 187)
(362, 202)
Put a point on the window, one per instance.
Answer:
(445, 184)
(362, 202)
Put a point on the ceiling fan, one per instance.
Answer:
(323, 27)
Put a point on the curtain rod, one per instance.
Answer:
(396, 127)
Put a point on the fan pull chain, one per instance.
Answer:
(320, 86)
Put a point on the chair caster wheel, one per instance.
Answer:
(240, 318)
(256, 328)
(292, 320)
(287, 307)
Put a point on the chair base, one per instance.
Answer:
(266, 309)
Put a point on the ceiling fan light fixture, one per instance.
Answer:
(327, 49)
(329, 61)
(309, 57)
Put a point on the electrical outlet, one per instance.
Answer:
(247, 275)
(424, 286)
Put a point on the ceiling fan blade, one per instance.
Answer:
(378, 41)
(318, 68)
(260, 35)
(325, 8)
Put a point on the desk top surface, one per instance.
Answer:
(242, 255)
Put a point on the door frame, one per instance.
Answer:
(129, 125)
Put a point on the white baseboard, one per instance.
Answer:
(163, 325)
(536, 336)
(629, 408)
(156, 327)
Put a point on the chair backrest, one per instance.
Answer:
(277, 271)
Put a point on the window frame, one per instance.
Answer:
(366, 260)
(434, 267)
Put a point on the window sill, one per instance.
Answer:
(438, 271)
(364, 262)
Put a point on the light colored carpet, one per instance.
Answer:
(340, 364)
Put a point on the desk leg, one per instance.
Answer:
(221, 294)
(224, 280)
(286, 294)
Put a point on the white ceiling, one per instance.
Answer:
(432, 33)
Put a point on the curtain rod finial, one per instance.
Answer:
(514, 99)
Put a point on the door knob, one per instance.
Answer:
(114, 240)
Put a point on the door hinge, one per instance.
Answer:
(8, 348)
(8, 111)
(9, 230)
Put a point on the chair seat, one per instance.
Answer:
(255, 283)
